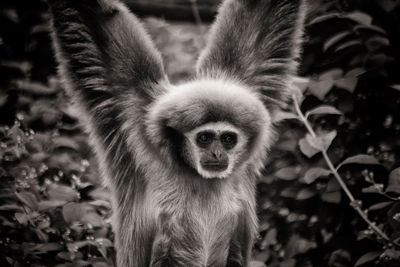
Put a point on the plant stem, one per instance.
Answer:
(353, 202)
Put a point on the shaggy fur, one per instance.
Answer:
(166, 214)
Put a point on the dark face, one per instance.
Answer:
(214, 149)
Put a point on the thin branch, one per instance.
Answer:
(196, 13)
(356, 204)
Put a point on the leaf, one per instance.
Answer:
(350, 80)
(63, 142)
(332, 74)
(324, 109)
(305, 193)
(376, 42)
(10, 207)
(359, 17)
(325, 82)
(288, 173)
(307, 149)
(271, 237)
(371, 28)
(395, 86)
(393, 189)
(257, 264)
(42, 248)
(335, 39)
(281, 115)
(394, 177)
(325, 17)
(359, 159)
(28, 199)
(332, 197)
(368, 257)
(320, 88)
(348, 44)
(371, 189)
(380, 205)
(22, 218)
(388, 5)
(50, 204)
(62, 192)
(321, 142)
(347, 83)
(312, 174)
(301, 83)
(81, 212)
(35, 88)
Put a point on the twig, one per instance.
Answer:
(356, 204)
(196, 13)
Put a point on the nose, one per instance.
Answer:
(217, 155)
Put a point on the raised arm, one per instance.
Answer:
(256, 42)
(105, 55)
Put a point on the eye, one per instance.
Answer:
(229, 139)
(204, 138)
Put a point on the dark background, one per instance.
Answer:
(54, 211)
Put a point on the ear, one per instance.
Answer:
(257, 42)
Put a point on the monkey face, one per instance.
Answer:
(215, 149)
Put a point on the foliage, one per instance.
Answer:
(330, 195)
(54, 211)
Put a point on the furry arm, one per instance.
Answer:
(256, 42)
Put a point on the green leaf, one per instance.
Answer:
(368, 257)
(332, 197)
(312, 174)
(324, 109)
(359, 159)
(307, 149)
(321, 142)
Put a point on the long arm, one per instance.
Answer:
(256, 42)
(110, 66)
(112, 69)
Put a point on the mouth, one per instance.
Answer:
(215, 166)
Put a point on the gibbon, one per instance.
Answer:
(181, 160)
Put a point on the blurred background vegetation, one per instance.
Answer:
(55, 212)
